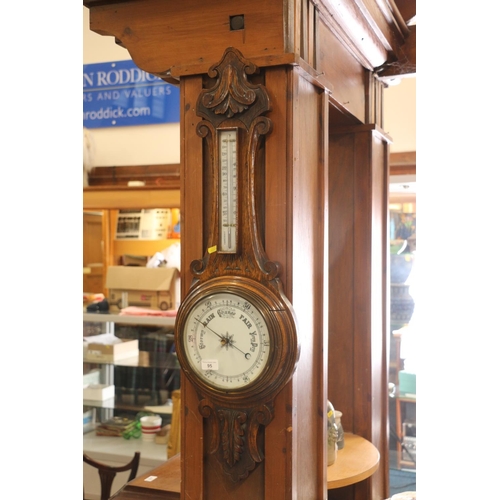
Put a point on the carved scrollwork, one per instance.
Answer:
(260, 416)
(232, 93)
(235, 436)
(232, 434)
(207, 411)
(231, 96)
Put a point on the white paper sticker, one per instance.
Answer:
(150, 478)
(209, 364)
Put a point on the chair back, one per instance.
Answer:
(107, 473)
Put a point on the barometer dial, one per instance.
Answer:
(226, 340)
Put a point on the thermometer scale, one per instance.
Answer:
(228, 182)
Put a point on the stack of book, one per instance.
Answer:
(116, 426)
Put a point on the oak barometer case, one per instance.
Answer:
(235, 331)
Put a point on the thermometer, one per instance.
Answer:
(228, 187)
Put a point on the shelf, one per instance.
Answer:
(123, 197)
(358, 460)
(144, 359)
(140, 386)
(128, 320)
(114, 404)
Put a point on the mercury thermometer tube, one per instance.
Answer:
(228, 182)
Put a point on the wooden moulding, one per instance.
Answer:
(123, 197)
(151, 175)
(403, 163)
(108, 187)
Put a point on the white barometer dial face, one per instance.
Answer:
(226, 340)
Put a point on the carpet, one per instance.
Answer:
(402, 480)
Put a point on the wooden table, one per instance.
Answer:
(358, 460)
(162, 483)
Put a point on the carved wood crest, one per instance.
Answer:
(235, 436)
(233, 95)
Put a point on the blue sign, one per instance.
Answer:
(118, 94)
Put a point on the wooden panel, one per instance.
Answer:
(277, 235)
(92, 243)
(374, 100)
(357, 356)
(93, 282)
(345, 75)
(380, 308)
(370, 29)
(192, 248)
(393, 29)
(341, 258)
(93, 252)
(308, 212)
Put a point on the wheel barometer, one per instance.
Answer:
(235, 330)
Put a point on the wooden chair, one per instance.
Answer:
(107, 473)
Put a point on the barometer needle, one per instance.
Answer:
(206, 326)
(225, 340)
(246, 354)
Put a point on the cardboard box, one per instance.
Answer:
(98, 392)
(150, 287)
(109, 353)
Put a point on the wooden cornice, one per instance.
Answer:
(374, 31)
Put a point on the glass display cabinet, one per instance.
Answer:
(141, 378)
